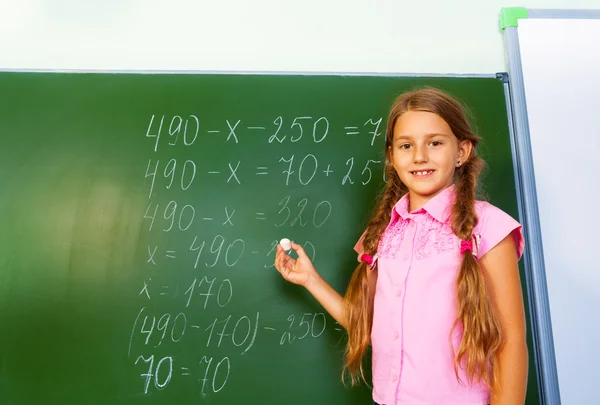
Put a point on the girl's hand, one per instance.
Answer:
(298, 271)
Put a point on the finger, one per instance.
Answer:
(277, 260)
(279, 265)
(288, 262)
(279, 269)
(299, 250)
(280, 257)
(283, 268)
(280, 253)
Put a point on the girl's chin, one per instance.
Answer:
(426, 190)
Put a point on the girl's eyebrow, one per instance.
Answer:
(427, 136)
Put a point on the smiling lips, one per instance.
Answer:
(422, 173)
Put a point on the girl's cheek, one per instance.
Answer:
(401, 160)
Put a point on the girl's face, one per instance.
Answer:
(425, 154)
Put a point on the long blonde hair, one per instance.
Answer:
(481, 338)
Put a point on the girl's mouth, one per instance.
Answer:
(422, 173)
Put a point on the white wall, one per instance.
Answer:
(561, 61)
(408, 36)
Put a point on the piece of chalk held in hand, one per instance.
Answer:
(285, 243)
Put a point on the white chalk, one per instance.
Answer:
(285, 243)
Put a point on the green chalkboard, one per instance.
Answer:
(139, 214)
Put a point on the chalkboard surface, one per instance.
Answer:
(140, 214)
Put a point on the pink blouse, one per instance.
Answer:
(418, 261)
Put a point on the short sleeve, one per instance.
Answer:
(494, 225)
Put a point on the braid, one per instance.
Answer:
(481, 329)
(464, 218)
(394, 190)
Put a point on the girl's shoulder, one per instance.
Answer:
(485, 207)
(493, 225)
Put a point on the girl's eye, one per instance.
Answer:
(404, 146)
(436, 143)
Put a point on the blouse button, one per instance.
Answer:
(399, 293)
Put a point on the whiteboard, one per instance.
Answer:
(560, 64)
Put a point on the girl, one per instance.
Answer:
(437, 293)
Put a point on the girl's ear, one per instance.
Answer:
(465, 148)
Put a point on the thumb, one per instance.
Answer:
(299, 250)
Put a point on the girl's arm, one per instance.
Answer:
(501, 273)
(330, 299)
(302, 272)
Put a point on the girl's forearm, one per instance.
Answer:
(329, 298)
(513, 367)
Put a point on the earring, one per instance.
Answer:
(458, 164)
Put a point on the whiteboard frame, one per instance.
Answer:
(256, 72)
(544, 353)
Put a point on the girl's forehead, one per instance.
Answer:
(420, 123)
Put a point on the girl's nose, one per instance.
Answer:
(420, 154)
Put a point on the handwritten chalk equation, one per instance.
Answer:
(214, 373)
(238, 334)
(290, 170)
(193, 323)
(186, 130)
(297, 212)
